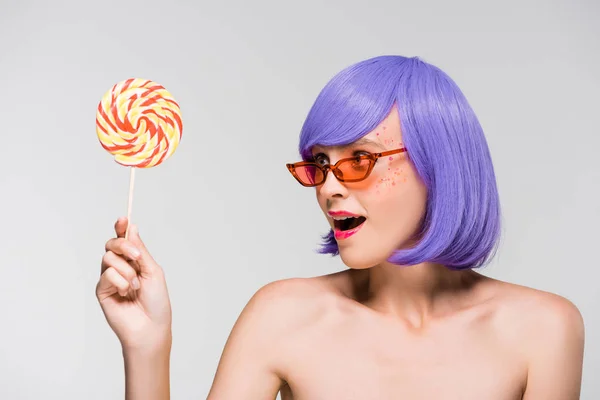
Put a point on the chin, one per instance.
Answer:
(356, 259)
(365, 250)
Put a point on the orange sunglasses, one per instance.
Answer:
(351, 169)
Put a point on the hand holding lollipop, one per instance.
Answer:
(139, 123)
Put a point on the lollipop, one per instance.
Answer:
(139, 123)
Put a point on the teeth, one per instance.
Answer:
(341, 218)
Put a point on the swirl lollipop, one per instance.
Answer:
(139, 123)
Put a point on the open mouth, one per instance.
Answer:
(348, 223)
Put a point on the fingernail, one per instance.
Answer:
(135, 282)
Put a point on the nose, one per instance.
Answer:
(332, 187)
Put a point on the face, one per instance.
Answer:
(390, 201)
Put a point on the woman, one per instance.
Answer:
(402, 172)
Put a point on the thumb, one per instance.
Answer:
(145, 261)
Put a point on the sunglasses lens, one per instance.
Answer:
(309, 175)
(354, 170)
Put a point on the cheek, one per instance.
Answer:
(390, 180)
(399, 201)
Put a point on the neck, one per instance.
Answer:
(417, 293)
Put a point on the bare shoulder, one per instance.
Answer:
(291, 309)
(291, 303)
(536, 310)
(535, 319)
(548, 331)
(271, 322)
(295, 288)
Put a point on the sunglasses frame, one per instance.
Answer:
(373, 157)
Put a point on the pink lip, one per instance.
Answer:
(342, 213)
(341, 235)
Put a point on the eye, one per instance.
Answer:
(320, 159)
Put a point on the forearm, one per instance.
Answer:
(147, 374)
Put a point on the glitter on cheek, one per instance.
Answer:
(386, 182)
(394, 177)
(390, 163)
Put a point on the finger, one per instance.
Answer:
(126, 270)
(135, 238)
(122, 247)
(112, 280)
(121, 226)
(145, 260)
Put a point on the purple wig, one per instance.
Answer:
(445, 143)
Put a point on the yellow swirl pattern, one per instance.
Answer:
(139, 122)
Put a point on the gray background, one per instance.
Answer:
(223, 216)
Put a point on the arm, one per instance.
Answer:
(248, 368)
(556, 353)
(133, 294)
(147, 373)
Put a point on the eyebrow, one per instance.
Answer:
(364, 141)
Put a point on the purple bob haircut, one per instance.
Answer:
(445, 143)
